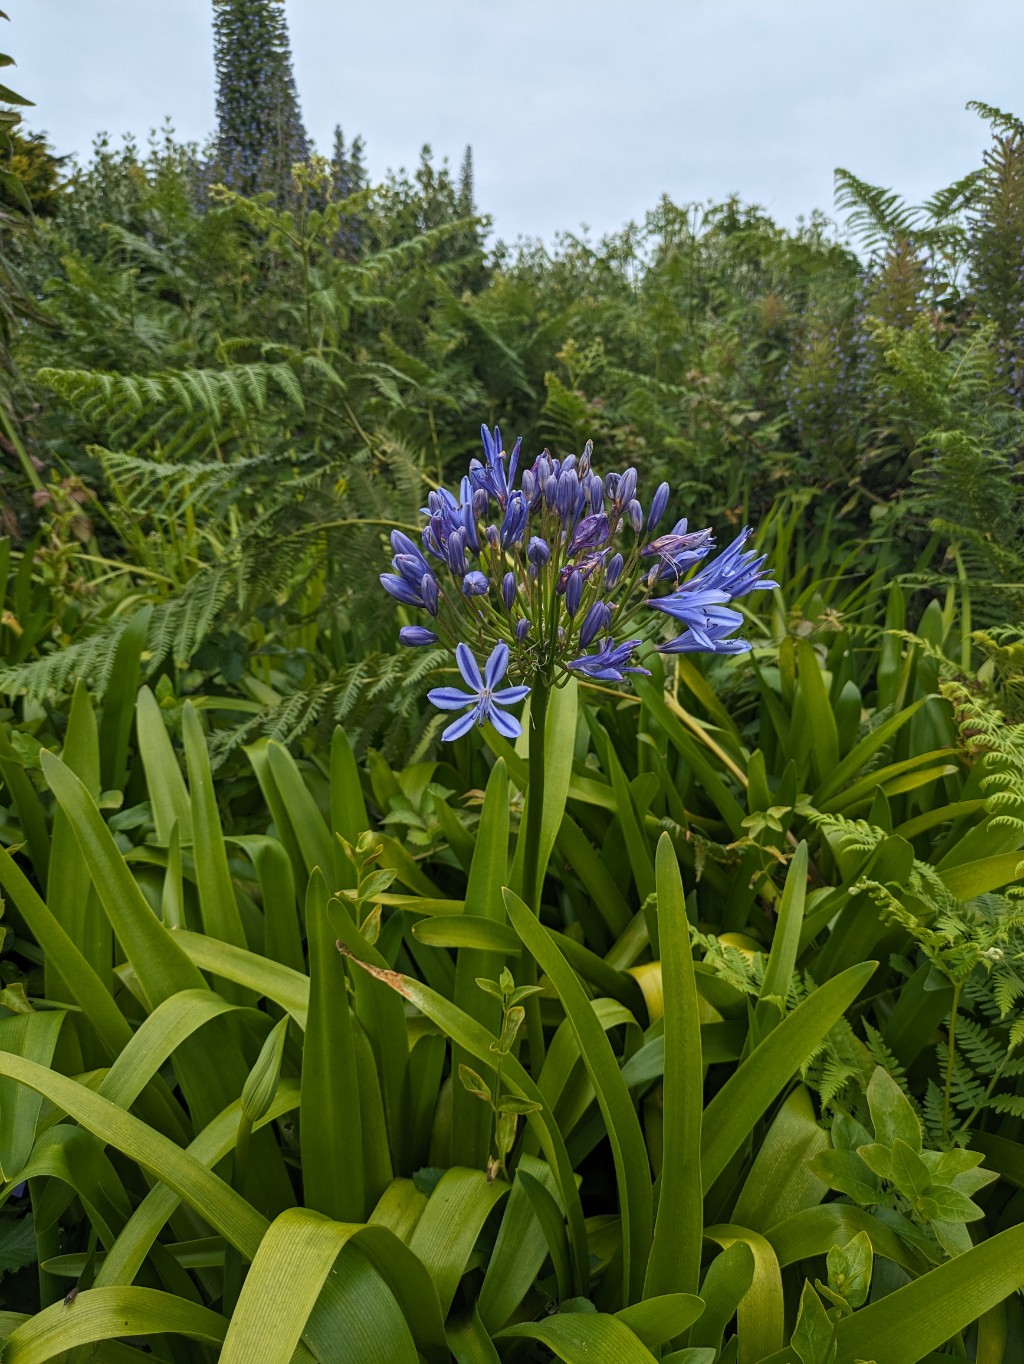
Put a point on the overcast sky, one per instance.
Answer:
(578, 111)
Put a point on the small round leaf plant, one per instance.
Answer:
(556, 578)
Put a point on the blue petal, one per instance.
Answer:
(506, 725)
(460, 726)
(510, 695)
(450, 698)
(496, 665)
(468, 667)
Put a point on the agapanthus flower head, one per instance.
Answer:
(540, 575)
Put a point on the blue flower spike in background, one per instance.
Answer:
(546, 576)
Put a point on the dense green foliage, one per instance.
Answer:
(304, 1052)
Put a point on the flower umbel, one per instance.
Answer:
(546, 575)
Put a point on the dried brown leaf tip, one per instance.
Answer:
(393, 978)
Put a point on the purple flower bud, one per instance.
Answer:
(529, 486)
(416, 636)
(522, 630)
(550, 487)
(614, 571)
(596, 492)
(455, 552)
(475, 584)
(573, 591)
(479, 503)
(658, 504)
(508, 590)
(492, 537)
(469, 526)
(624, 489)
(568, 492)
(595, 622)
(399, 589)
(636, 516)
(537, 551)
(428, 591)
(585, 458)
(611, 484)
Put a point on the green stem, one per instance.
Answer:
(950, 1057)
(533, 872)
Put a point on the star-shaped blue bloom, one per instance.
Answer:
(483, 701)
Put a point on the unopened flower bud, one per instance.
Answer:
(416, 636)
(614, 571)
(428, 591)
(658, 504)
(573, 592)
(508, 590)
(636, 516)
(522, 630)
(475, 584)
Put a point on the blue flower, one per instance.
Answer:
(483, 701)
(608, 665)
(711, 638)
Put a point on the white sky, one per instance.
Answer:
(578, 111)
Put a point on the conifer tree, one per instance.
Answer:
(259, 127)
(465, 204)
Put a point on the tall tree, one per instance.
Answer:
(259, 127)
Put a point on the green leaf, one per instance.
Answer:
(552, 1224)
(632, 1169)
(782, 1180)
(583, 1337)
(814, 1337)
(480, 1043)
(892, 1116)
(217, 902)
(215, 1202)
(674, 1262)
(446, 1233)
(291, 1266)
(846, 1172)
(659, 1319)
(849, 1269)
(105, 1314)
(522, 1243)
(742, 1100)
(904, 1326)
(32, 1035)
(467, 931)
(760, 1315)
(119, 700)
(778, 973)
(330, 1127)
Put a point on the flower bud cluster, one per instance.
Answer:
(547, 574)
